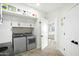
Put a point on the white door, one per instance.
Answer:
(71, 28)
(44, 33)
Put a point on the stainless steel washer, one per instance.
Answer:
(19, 43)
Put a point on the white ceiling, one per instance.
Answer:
(48, 7)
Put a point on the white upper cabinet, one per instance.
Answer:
(20, 17)
(28, 13)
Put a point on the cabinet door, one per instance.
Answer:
(14, 24)
(28, 25)
(22, 24)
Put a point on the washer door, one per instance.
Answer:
(19, 44)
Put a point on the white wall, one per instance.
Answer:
(60, 12)
(5, 32)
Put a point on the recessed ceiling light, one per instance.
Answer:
(37, 4)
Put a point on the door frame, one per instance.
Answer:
(41, 20)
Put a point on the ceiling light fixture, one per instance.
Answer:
(37, 4)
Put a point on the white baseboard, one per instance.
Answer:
(62, 51)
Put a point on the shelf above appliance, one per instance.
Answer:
(4, 12)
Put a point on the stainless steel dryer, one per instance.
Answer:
(31, 42)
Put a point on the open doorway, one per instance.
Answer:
(51, 35)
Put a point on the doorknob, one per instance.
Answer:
(41, 35)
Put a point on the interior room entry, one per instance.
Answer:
(44, 33)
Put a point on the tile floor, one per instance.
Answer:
(50, 50)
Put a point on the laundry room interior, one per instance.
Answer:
(39, 29)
